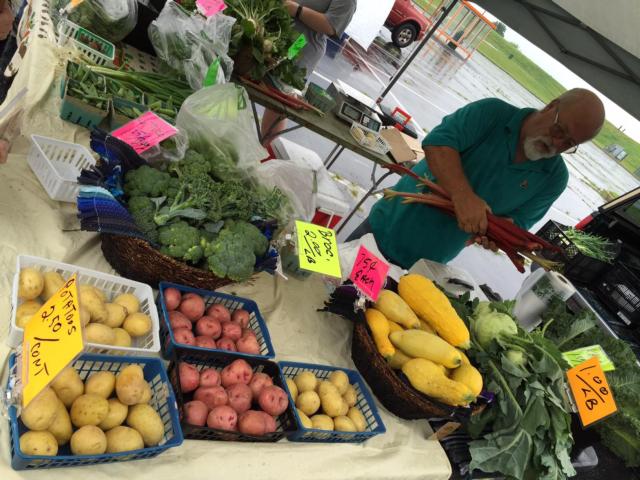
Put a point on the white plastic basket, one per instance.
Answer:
(57, 165)
(67, 31)
(368, 139)
(111, 285)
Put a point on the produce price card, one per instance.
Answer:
(369, 273)
(579, 355)
(210, 7)
(296, 47)
(52, 340)
(591, 392)
(317, 249)
(146, 131)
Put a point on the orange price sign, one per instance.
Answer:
(52, 340)
(591, 392)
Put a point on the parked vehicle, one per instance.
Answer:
(406, 22)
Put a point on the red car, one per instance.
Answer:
(406, 22)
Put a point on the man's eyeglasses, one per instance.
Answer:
(560, 133)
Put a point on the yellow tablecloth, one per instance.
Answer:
(33, 224)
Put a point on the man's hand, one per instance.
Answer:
(6, 19)
(484, 242)
(292, 7)
(471, 212)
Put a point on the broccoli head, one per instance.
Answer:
(192, 165)
(182, 241)
(251, 235)
(146, 181)
(230, 255)
(142, 209)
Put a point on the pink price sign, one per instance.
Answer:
(145, 132)
(369, 273)
(210, 7)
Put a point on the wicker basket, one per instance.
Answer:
(396, 394)
(136, 259)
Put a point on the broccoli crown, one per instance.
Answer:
(251, 235)
(194, 164)
(146, 181)
(230, 255)
(182, 241)
(142, 209)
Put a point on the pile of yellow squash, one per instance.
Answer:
(418, 331)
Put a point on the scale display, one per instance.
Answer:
(350, 113)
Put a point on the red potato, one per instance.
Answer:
(209, 377)
(241, 317)
(223, 418)
(257, 383)
(195, 413)
(248, 332)
(273, 400)
(172, 297)
(205, 342)
(192, 306)
(252, 422)
(232, 331)
(227, 344)
(269, 423)
(248, 344)
(209, 326)
(238, 371)
(219, 312)
(239, 397)
(189, 377)
(178, 320)
(184, 336)
(212, 397)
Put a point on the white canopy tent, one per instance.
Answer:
(597, 40)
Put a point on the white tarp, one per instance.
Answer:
(368, 20)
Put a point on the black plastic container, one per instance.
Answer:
(619, 289)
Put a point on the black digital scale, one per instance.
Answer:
(354, 106)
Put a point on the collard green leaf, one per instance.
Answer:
(506, 453)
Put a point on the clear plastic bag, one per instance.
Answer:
(110, 19)
(172, 149)
(191, 44)
(219, 123)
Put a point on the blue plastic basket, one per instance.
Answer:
(256, 322)
(364, 403)
(285, 423)
(162, 400)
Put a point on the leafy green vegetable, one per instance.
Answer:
(490, 324)
(527, 432)
(231, 255)
(620, 433)
(111, 19)
(590, 245)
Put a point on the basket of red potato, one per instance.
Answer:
(227, 397)
(211, 321)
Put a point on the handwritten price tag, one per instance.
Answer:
(317, 249)
(145, 132)
(210, 7)
(591, 392)
(369, 273)
(52, 339)
(296, 47)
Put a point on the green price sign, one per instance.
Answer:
(580, 355)
(294, 49)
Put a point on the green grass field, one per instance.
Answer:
(509, 58)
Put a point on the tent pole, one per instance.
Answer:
(412, 56)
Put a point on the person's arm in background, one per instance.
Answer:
(314, 20)
(6, 19)
(332, 23)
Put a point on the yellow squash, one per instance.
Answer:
(426, 327)
(398, 359)
(394, 327)
(434, 307)
(468, 375)
(396, 309)
(465, 359)
(427, 377)
(379, 326)
(417, 343)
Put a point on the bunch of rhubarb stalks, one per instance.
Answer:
(514, 241)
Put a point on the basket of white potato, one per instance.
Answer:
(101, 409)
(332, 404)
(118, 315)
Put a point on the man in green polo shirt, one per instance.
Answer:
(489, 156)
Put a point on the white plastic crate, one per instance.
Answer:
(111, 285)
(57, 165)
(67, 31)
(368, 139)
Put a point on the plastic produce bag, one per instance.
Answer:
(110, 19)
(219, 123)
(193, 45)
